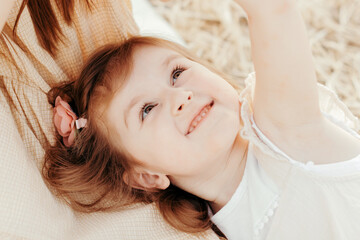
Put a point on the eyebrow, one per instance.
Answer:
(170, 58)
(135, 100)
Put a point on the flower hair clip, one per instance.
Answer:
(66, 122)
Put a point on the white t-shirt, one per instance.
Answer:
(280, 198)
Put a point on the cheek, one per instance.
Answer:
(224, 129)
(153, 147)
(221, 87)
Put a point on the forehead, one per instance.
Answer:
(149, 63)
(147, 55)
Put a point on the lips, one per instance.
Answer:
(199, 117)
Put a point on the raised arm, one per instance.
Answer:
(285, 91)
(5, 9)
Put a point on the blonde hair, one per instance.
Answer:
(89, 174)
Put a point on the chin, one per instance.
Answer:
(223, 139)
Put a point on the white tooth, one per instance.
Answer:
(198, 118)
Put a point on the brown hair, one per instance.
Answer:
(46, 24)
(89, 174)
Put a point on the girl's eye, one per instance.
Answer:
(176, 74)
(145, 110)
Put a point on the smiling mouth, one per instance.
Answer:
(199, 117)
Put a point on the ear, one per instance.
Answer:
(146, 180)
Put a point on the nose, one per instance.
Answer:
(180, 100)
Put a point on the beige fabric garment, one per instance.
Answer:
(27, 208)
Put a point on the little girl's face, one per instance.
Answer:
(173, 115)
